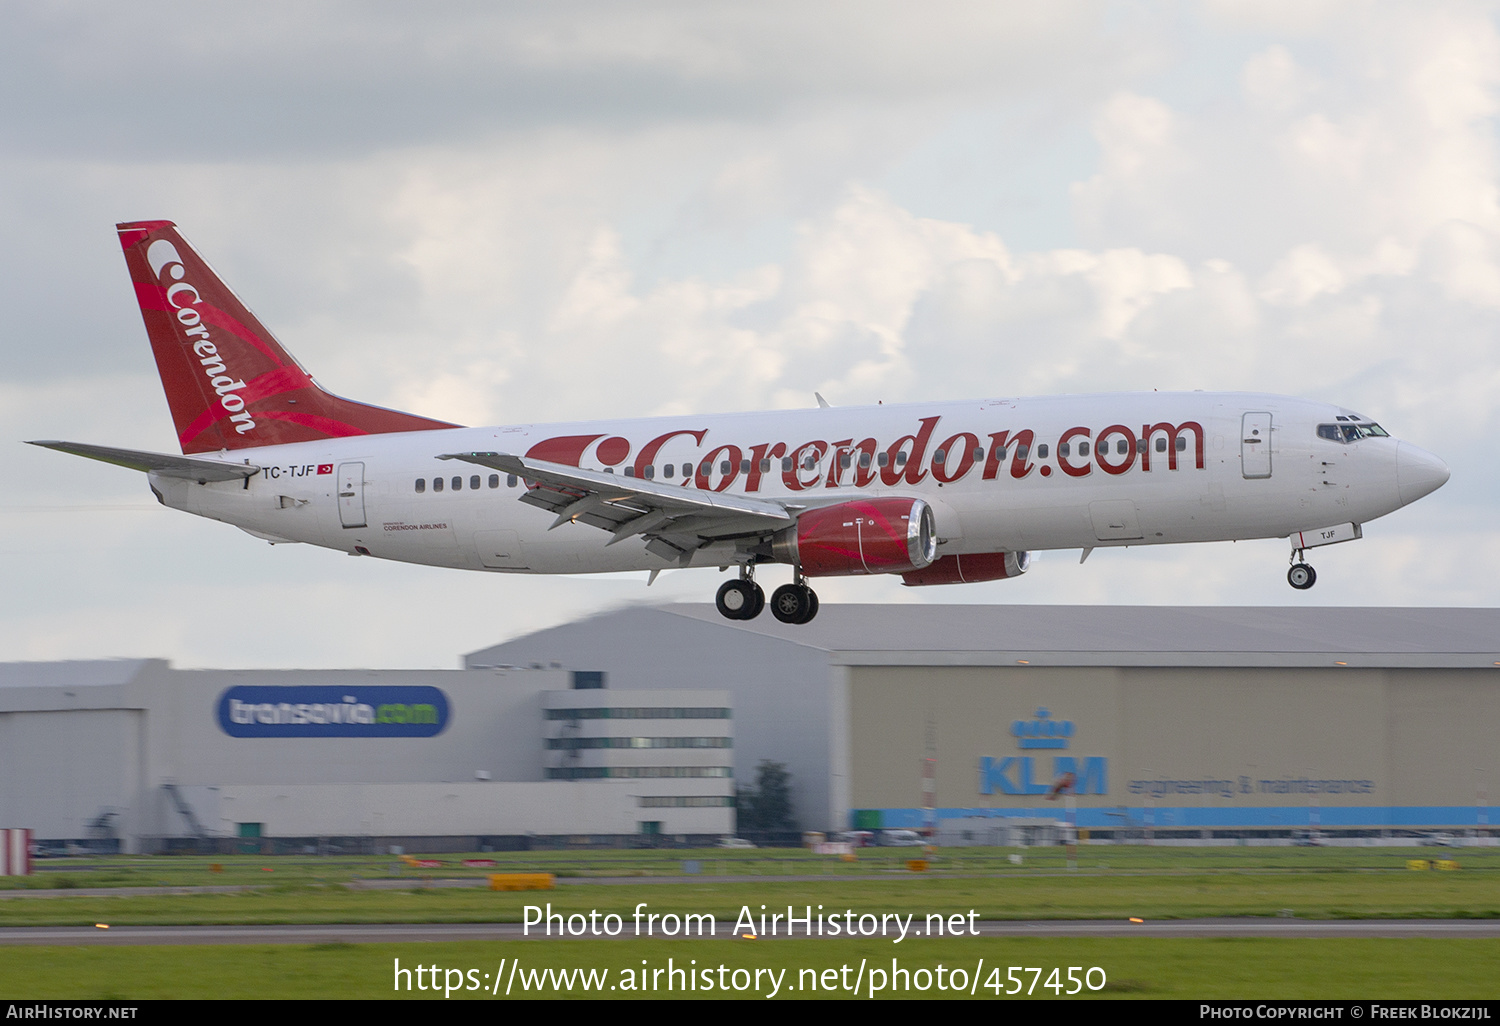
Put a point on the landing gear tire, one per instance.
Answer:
(1301, 576)
(740, 600)
(794, 603)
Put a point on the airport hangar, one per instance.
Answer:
(1212, 722)
(1188, 722)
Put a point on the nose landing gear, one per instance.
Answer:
(1301, 576)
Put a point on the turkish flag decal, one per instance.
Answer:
(325, 468)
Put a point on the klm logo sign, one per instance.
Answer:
(1028, 775)
(1042, 732)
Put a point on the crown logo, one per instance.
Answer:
(1042, 732)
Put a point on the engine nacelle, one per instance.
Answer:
(865, 536)
(980, 566)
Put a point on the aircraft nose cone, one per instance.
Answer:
(1418, 472)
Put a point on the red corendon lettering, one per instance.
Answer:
(836, 465)
(864, 473)
(565, 449)
(758, 454)
(612, 451)
(1020, 463)
(1101, 449)
(951, 469)
(1171, 432)
(650, 449)
(706, 467)
(912, 473)
(1062, 460)
(793, 478)
(992, 461)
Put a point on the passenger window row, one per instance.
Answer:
(457, 483)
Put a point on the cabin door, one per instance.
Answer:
(1255, 445)
(352, 494)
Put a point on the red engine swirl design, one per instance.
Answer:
(866, 536)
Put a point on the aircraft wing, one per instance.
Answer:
(194, 468)
(675, 520)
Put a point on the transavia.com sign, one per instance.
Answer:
(333, 711)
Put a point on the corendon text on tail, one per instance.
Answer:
(938, 493)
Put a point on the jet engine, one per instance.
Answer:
(866, 536)
(979, 566)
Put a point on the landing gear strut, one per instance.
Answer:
(1301, 576)
(742, 599)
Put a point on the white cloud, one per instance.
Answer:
(647, 211)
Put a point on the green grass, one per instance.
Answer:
(1110, 883)
(1310, 895)
(242, 870)
(1134, 967)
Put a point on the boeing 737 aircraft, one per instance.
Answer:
(939, 493)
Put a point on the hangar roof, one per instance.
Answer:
(953, 635)
(74, 673)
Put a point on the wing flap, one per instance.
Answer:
(626, 506)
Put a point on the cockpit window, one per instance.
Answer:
(1351, 432)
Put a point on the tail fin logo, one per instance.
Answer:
(221, 368)
(166, 263)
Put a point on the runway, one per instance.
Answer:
(404, 933)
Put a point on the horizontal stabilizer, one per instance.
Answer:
(194, 468)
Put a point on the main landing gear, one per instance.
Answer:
(794, 603)
(1301, 576)
(743, 599)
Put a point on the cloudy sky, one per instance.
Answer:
(523, 212)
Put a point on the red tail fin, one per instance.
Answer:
(228, 381)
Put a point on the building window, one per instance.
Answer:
(637, 713)
(574, 743)
(637, 772)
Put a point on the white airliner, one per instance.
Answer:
(939, 493)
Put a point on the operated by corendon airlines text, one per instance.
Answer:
(870, 978)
